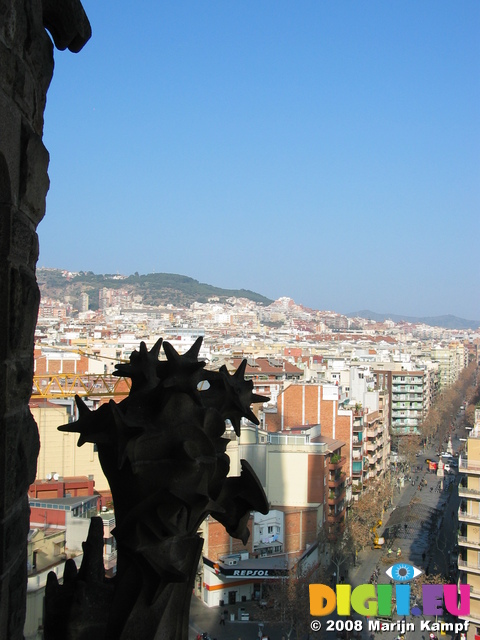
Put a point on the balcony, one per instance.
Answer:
(110, 560)
(465, 516)
(336, 517)
(404, 422)
(336, 497)
(466, 492)
(406, 412)
(402, 430)
(475, 592)
(469, 567)
(403, 389)
(336, 480)
(469, 467)
(472, 544)
(333, 463)
(357, 428)
(108, 524)
(372, 459)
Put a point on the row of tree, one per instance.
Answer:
(442, 414)
(339, 545)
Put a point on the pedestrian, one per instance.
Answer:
(222, 619)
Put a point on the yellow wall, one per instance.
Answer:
(59, 452)
(287, 477)
(49, 549)
(473, 449)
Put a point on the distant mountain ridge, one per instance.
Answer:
(154, 288)
(446, 322)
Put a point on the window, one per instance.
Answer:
(270, 529)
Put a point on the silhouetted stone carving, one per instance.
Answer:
(163, 452)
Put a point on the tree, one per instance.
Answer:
(408, 447)
(440, 416)
(470, 415)
(291, 599)
(366, 511)
(429, 426)
(336, 544)
(417, 583)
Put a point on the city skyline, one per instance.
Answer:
(359, 312)
(324, 152)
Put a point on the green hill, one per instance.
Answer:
(155, 288)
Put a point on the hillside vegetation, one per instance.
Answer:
(155, 288)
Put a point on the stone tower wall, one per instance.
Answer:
(26, 68)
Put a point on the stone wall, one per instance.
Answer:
(26, 68)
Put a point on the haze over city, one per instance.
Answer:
(329, 152)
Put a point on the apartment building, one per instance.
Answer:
(370, 445)
(451, 360)
(304, 478)
(269, 375)
(59, 454)
(469, 526)
(51, 360)
(314, 404)
(407, 391)
(84, 302)
(60, 512)
(431, 384)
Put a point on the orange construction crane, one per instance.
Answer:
(67, 385)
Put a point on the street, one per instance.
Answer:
(422, 523)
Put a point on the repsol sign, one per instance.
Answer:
(250, 573)
(237, 571)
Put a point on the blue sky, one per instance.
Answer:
(324, 150)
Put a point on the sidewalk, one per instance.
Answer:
(424, 531)
(423, 507)
(203, 618)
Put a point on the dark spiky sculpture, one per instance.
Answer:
(163, 452)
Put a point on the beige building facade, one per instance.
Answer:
(469, 526)
(59, 453)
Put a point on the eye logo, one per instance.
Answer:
(402, 572)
